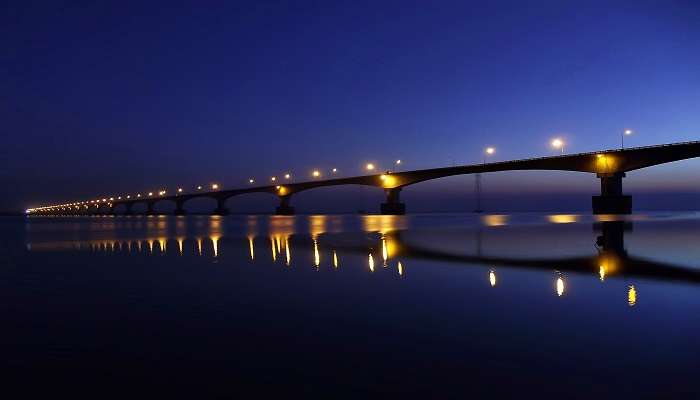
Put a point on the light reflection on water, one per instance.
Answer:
(394, 235)
(490, 285)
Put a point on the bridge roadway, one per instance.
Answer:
(610, 166)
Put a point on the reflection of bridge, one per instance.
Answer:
(611, 260)
(610, 167)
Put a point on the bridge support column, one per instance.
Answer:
(612, 238)
(179, 208)
(149, 208)
(285, 208)
(220, 207)
(611, 199)
(393, 205)
(128, 209)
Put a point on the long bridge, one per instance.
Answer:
(610, 166)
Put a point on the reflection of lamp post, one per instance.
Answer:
(560, 285)
(626, 132)
(631, 296)
(558, 144)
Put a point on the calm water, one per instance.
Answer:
(428, 305)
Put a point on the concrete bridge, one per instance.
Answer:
(610, 166)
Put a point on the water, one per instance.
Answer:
(427, 305)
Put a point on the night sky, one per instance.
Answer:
(102, 99)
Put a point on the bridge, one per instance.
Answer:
(610, 166)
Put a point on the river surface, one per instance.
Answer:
(431, 306)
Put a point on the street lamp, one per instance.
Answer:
(626, 132)
(558, 144)
(287, 176)
(251, 181)
(215, 186)
(334, 170)
(316, 173)
(489, 152)
(369, 167)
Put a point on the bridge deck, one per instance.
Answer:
(606, 162)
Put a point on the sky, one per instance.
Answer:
(106, 98)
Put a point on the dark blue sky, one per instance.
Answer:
(107, 99)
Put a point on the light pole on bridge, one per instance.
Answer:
(626, 132)
(558, 144)
(489, 151)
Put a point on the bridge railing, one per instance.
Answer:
(581, 154)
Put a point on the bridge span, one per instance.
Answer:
(610, 166)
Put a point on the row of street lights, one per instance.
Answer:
(370, 167)
(557, 143)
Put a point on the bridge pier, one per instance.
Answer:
(128, 208)
(149, 208)
(393, 205)
(611, 199)
(179, 208)
(220, 207)
(285, 207)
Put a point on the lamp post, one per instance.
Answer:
(626, 132)
(558, 144)
(488, 152)
(477, 180)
